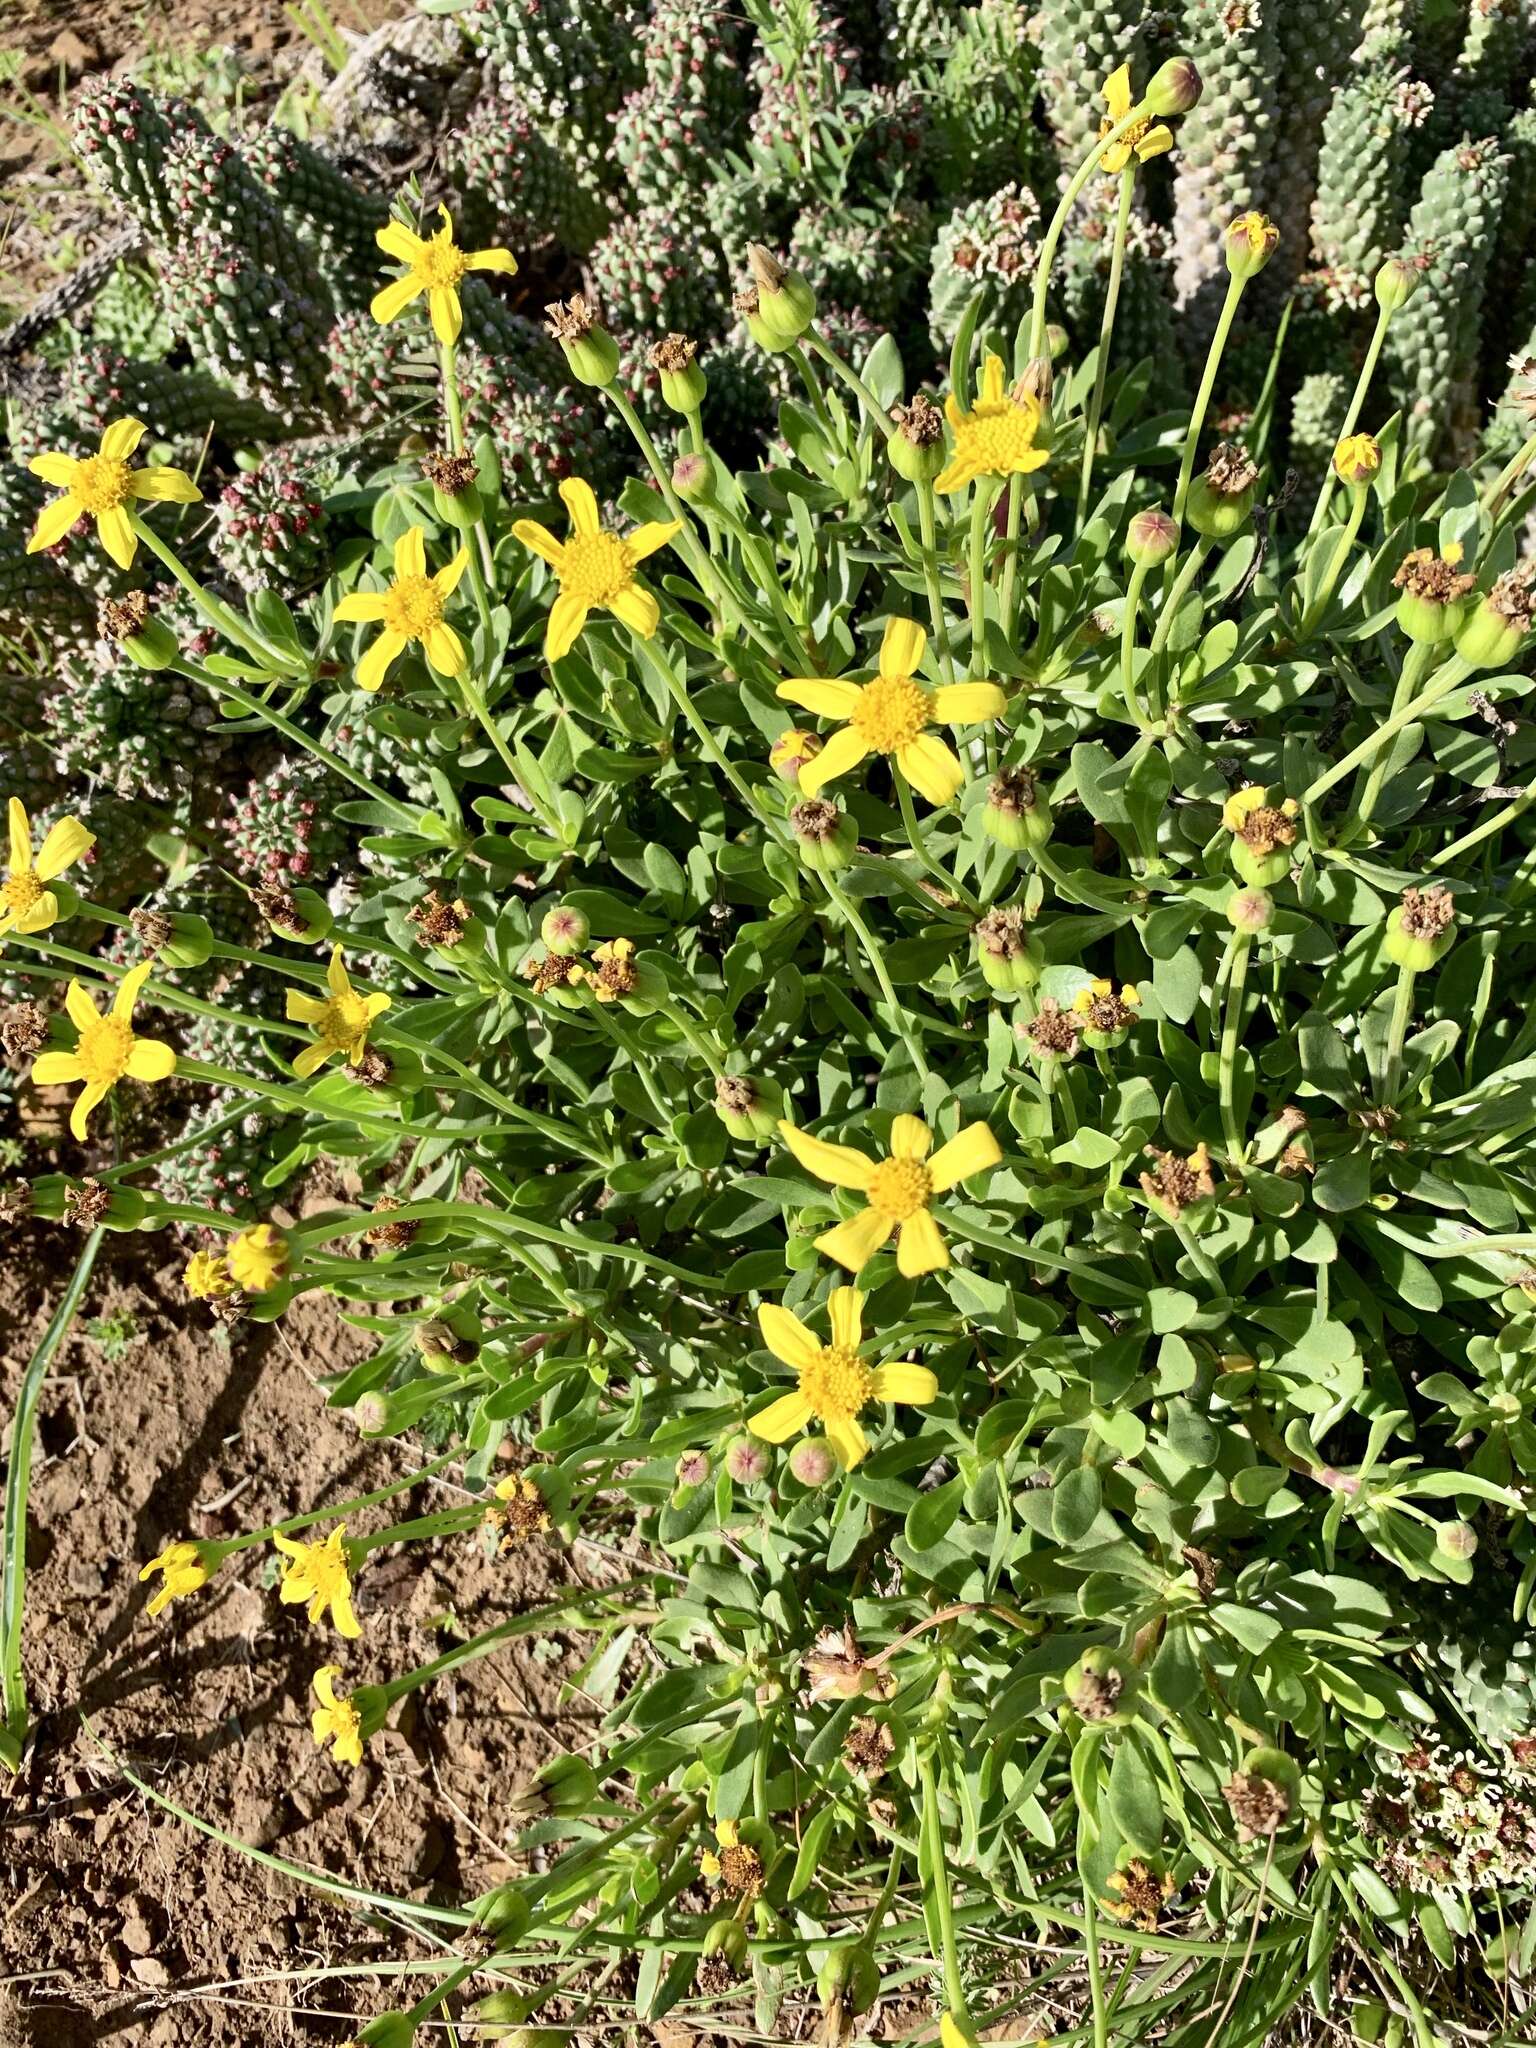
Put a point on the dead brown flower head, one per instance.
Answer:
(571, 319)
(23, 1028)
(1259, 1805)
(672, 352)
(1230, 470)
(868, 1746)
(1054, 1032)
(921, 422)
(438, 923)
(1428, 912)
(1176, 1184)
(1423, 573)
(1137, 1894)
(122, 618)
(86, 1203)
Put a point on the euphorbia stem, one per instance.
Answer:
(1106, 331)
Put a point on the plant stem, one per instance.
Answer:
(918, 841)
(1496, 820)
(255, 708)
(815, 340)
(1068, 200)
(808, 378)
(1362, 386)
(1193, 563)
(1106, 331)
(1325, 589)
(1242, 947)
(1397, 1031)
(1505, 481)
(943, 1897)
(213, 608)
(1011, 552)
(928, 527)
(881, 972)
(1203, 395)
(981, 510)
(1139, 574)
(1440, 685)
(1095, 1967)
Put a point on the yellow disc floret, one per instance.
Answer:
(103, 1051)
(413, 606)
(837, 1383)
(898, 1188)
(20, 893)
(891, 712)
(101, 483)
(595, 568)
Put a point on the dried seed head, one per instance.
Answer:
(1176, 1184)
(921, 422)
(747, 303)
(280, 909)
(152, 928)
(86, 1203)
(1053, 1030)
(1437, 578)
(868, 1746)
(571, 319)
(121, 618)
(551, 972)
(373, 1070)
(815, 819)
(1512, 597)
(23, 1029)
(394, 1237)
(672, 352)
(1426, 913)
(1004, 933)
(438, 923)
(15, 1204)
(1137, 1894)
(1230, 470)
(449, 473)
(1268, 829)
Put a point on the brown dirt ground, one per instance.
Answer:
(117, 1922)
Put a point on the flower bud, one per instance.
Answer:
(1456, 1540)
(1010, 957)
(812, 1462)
(790, 752)
(176, 938)
(1421, 929)
(727, 1938)
(849, 1979)
(1357, 459)
(1016, 815)
(590, 350)
(1175, 87)
(1151, 537)
(455, 493)
(566, 1784)
(683, 382)
(1434, 594)
(748, 1107)
(370, 1412)
(826, 837)
(565, 930)
(297, 914)
(1100, 1687)
(442, 1349)
(748, 1461)
(693, 479)
(1492, 634)
(502, 1915)
(389, 2030)
(693, 1468)
(1396, 283)
(748, 304)
(1220, 502)
(916, 449)
(1250, 910)
(786, 305)
(128, 622)
(1249, 242)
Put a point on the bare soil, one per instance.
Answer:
(117, 1921)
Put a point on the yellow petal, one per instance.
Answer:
(578, 499)
(128, 990)
(929, 766)
(567, 617)
(121, 438)
(854, 1243)
(1156, 142)
(376, 1005)
(960, 471)
(1117, 93)
(638, 610)
(411, 553)
(444, 650)
(310, 1058)
(910, 1138)
(58, 470)
(361, 607)
(392, 301)
(83, 1013)
(898, 1381)
(500, 260)
(397, 240)
(786, 1336)
(921, 1248)
(44, 912)
(968, 703)
(839, 1164)
(116, 534)
(336, 977)
(304, 1009)
(901, 648)
(654, 534)
(54, 1069)
(374, 666)
(80, 1116)
(973, 1150)
(825, 695)
(848, 1441)
(150, 1059)
(447, 314)
(65, 843)
(540, 540)
(342, 1614)
(781, 1419)
(53, 522)
(843, 752)
(993, 380)
(163, 486)
(845, 1311)
(447, 579)
(21, 837)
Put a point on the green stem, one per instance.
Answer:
(1048, 247)
(927, 526)
(1192, 565)
(214, 609)
(1397, 1032)
(1325, 589)
(1011, 552)
(1197, 1258)
(1351, 418)
(982, 499)
(943, 1897)
(1494, 822)
(1139, 573)
(1106, 331)
(1505, 481)
(255, 708)
(717, 754)
(1203, 395)
(881, 972)
(482, 561)
(851, 377)
(918, 841)
(695, 1038)
(813, 390)
(1242, 947)
(1440, 685)
(1095, 1967)
(529, 1623)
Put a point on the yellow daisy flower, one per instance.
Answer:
(436, 267)
(105, 1050)
(596, 569)
(207, 1277)
(891, 714)
(257, 1258)
(996, 438)
(103, 486)
(340, 1021)
(183, 1568)
(318, 1573)
(410, 609)
(734, 1864)
(336, 1721)
(899, 1189)
(26, 905)
(836, 1386)
(1143, 141)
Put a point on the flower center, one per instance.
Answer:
(891, 712)
(595, 567)
(345, 1020)
(103, 1050)
(346, 1723)
(898, 1188)
(412, 606)
(997, 436)
(101, 483)
(837, 1383)
(440, 265)
(21, 892)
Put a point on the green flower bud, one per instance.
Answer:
(749, 1108)
(849, 1979)
(442, 1348)
(683, 383)
(1100, 1688)
(1249, 242)
(455, 493)
(693, 1468)
(727, 1938)
(916, 449)
(1174, 89)
(1220, 502)
(502, 1915)
(566, 1784)
(297, 914)
(176, 938)
(748, 304)
(389, 2030)
(590, 350)
(565, 930)
(1434, 595)
(1456, 1540)
(1152, 537)
(1421, 929)
(1250, 910)
(128, 622)
(826, 837)
(1493, 633)
(1010, 957)
(693, 479)
(813, 1462)
(1396, 283)
(1016, 815)
(786, 305)
(748, 1461)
